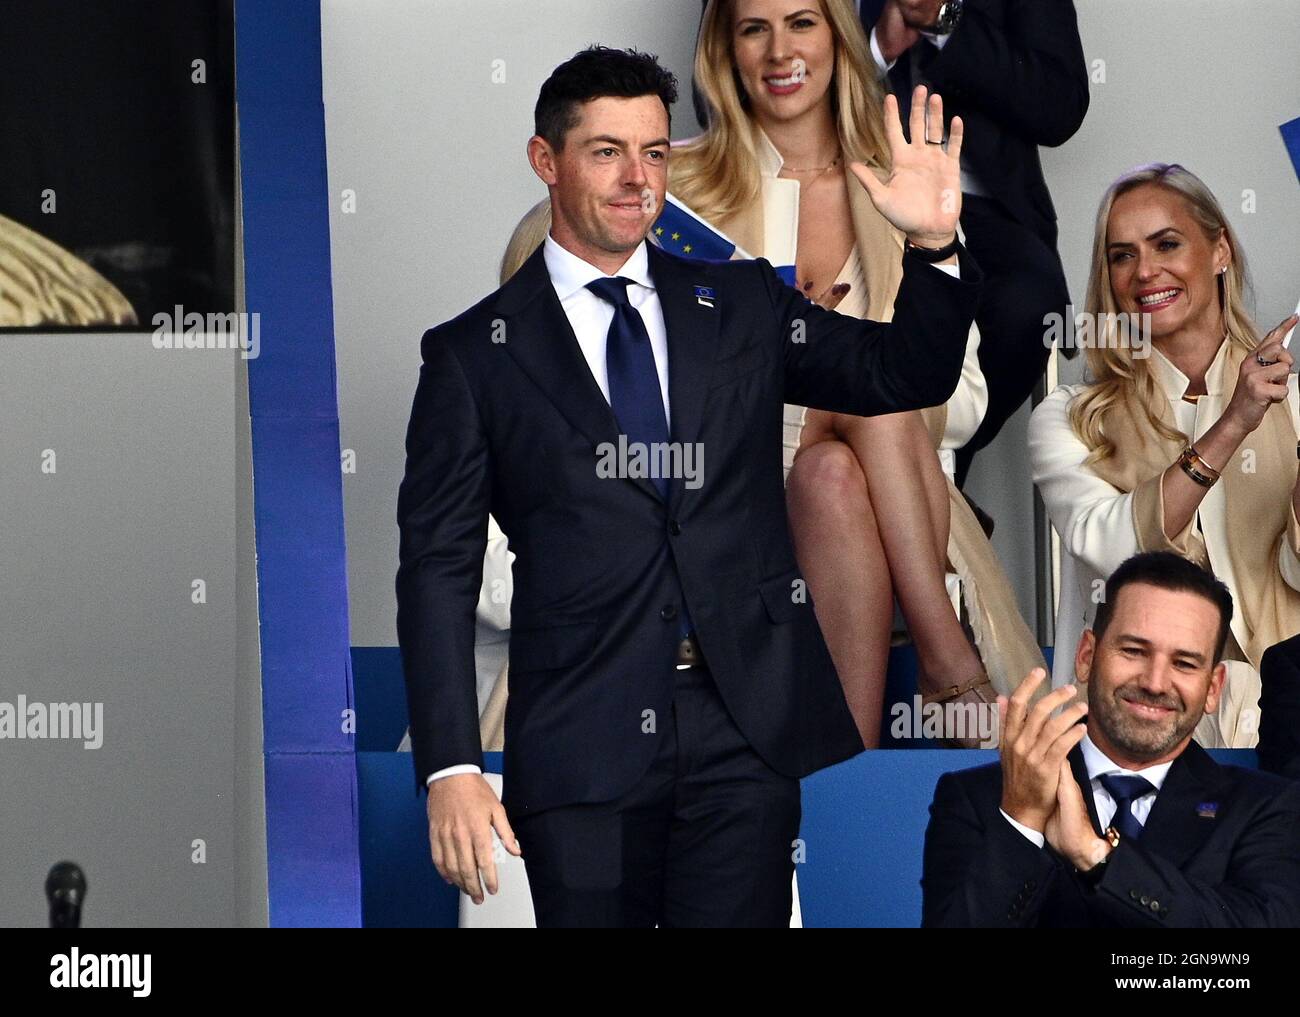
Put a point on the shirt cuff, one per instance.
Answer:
(451, 771)
(879, 57)
(1033, 835)
(952, 270)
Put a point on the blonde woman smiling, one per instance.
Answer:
(1191, 449)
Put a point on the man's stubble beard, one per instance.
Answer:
(1138, 740)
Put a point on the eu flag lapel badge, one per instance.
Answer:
(704, 295)
(1208, 810)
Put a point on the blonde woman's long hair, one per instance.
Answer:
(1116, 377)
(529, 235)
(717, 174)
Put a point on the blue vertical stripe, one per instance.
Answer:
(311, 788)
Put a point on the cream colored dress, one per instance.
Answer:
(854, 304)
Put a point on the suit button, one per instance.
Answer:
(675, 528)
(668, 613)
(1155, 905)
(1132, 895)
(1144, 900)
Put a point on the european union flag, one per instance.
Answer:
(1291, 138)
(680, 231)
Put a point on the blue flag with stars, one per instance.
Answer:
(680, 231)
(1291, 138)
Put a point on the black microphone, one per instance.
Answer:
(65, 888)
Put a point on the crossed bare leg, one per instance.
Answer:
(868, 507)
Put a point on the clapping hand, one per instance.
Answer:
(1034, 746)
(1069, 829)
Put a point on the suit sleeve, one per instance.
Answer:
(442, 517)
(979, 871)
(1279, 709)
(1261, 888)
(849, 365)
(1028, 74)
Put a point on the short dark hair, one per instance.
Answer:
(1168, 571)
(596, 72)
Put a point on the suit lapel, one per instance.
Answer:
(1080, 770)
(540, 339)
(1175, 829)
(692, 330)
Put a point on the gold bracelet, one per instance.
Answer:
(1185, 463)
(1202, 465)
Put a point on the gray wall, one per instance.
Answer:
(153, 489)
(434, 150)
(96, 561)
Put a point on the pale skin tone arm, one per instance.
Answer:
(463, 811)
(1258, 388)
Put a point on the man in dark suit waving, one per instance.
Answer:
(1124, 821)
(618, 410)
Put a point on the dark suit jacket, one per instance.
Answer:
(1221, 848)
(513, 427)
(1014, 72)
(1279, 709)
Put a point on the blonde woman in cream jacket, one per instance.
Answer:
(1186, 442)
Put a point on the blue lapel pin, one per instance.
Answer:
(704, 296)
(1207, 810)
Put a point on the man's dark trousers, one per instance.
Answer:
(704, 839)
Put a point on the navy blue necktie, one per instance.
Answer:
(634, 394)
(1125, 790)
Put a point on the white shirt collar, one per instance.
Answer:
(1099, 763)
(1175, 383)
(569, 273)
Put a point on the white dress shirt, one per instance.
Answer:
(1099, 764)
